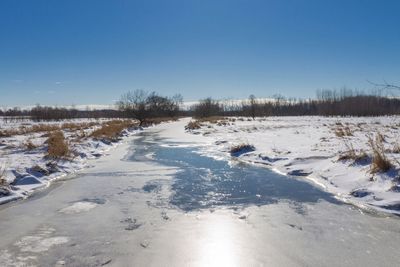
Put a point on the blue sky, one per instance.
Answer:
(91, 51)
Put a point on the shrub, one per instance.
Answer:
(57, 146)
(380, 163)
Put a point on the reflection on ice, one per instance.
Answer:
(204, 182)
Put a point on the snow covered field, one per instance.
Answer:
(334, 152)
(24, 166)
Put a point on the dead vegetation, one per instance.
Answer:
(58, 147)
(395, 149)
(39, 128)
(112, 130)
(154, 121)
(352, 154)
(213, 119)
(3, 180)
(193, 125)
(380, 162)
(241, 148)
(29, 145)
(341, 131)
(198, 123)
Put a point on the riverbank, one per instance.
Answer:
(333, 152)
(25, 162)
(155, 201)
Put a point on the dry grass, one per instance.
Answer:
(29, 145)
(343, 131)
(380, 137)
(155, 121)
(213, 119)
(244, 147)
(39, 128)
(380, 163)
(111, 130)
(78, 126)
(58, 147)
(193, 125)
(3, 181)
(353, 154)
(395, 149)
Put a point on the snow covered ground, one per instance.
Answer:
(311, 148)
(304, 147)
(23, 162)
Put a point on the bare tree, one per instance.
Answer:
(253, 106)
(134, 105)
(207, 107)
(142, 105)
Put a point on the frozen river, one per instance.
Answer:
(157, 203)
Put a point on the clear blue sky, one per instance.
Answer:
(90, 51)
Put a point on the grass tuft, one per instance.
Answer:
(29, 145)
(343, 131)
(58, 147)
(3, 180)
(241, 148)
(353, 154)
(193, 125)
(380, 163)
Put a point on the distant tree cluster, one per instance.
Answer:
(207, 108)
(143, 105)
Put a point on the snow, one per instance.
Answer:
(308, 148)
(29, 170)
(305, 148)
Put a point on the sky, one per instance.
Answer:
(91, 51)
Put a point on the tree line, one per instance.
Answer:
(344, 102)
(139, 104)
(143, 105)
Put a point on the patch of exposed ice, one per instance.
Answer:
(79, 207)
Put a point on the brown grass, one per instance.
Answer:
(343, 131)
(241, 147)
(380, 137)
(38, 128)
(193, 125)
(3, 181)
(155, 121)
(380, 163)
(111, 130)
(395, 149)
(58, 147)
(353, 154)
(213, 119)
(29, 145)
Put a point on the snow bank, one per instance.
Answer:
(310, 147)
(27, 169)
